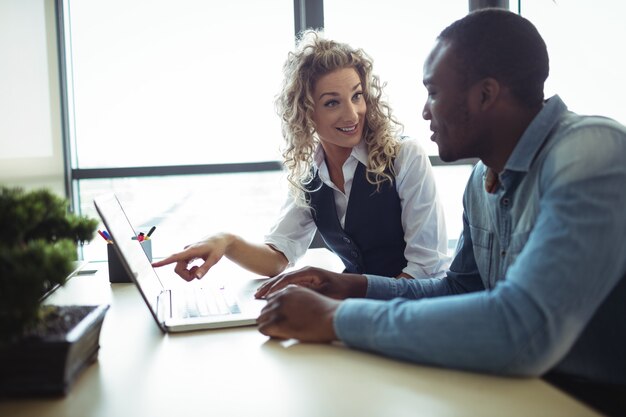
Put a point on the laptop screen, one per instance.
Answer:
(130, 250)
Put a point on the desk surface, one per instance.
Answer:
(240, 372)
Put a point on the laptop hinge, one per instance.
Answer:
(164, 306)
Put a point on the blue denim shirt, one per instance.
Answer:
(537, 283)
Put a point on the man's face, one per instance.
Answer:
(448, 106)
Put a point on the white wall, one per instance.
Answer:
(31, 152)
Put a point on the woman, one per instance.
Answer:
(370, 193)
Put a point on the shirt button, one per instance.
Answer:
(354, 254)
(503, 253)
(505, 201)
(346, 239)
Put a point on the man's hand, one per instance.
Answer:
(331, 284)
(299, 313)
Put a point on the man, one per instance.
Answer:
(537, 284)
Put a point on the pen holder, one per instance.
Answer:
(117, 272)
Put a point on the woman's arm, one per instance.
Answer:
(422, 214)
(259, 258)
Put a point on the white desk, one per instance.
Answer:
(240, 372)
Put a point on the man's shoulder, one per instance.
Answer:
(581, 146)
(577, 137)
(572, 123)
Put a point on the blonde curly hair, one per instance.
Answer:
(313, 58)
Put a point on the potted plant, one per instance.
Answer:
(42, 347)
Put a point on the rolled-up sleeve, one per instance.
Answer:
(293, 231)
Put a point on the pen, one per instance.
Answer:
(150, 231)
(140, 237)
(103, 235)
(107, 236)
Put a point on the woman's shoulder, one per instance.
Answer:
(410, 149)
(411, 161)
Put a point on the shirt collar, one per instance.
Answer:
(535, 135)
(359, 152)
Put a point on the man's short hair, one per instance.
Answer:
(502, 45)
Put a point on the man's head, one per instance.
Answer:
(486, 59)
(503, 45)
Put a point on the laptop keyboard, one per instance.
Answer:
(202, 302)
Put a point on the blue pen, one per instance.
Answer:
(108, 236)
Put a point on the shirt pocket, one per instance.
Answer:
(482, 244)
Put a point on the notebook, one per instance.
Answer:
(169, 306)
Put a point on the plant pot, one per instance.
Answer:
(45, 363)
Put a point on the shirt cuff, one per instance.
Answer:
(289, 249)
(436, 270)
(381, 288)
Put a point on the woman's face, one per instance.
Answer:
(340, 109)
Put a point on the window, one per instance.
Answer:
(586, 66)
(187, 208)
(398, 35)
(192, 82)
(157, 84)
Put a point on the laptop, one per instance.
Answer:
(184, 307)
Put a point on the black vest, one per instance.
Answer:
(373, 239)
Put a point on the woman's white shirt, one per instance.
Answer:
(422, 214)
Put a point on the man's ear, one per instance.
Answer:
(489, 92)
